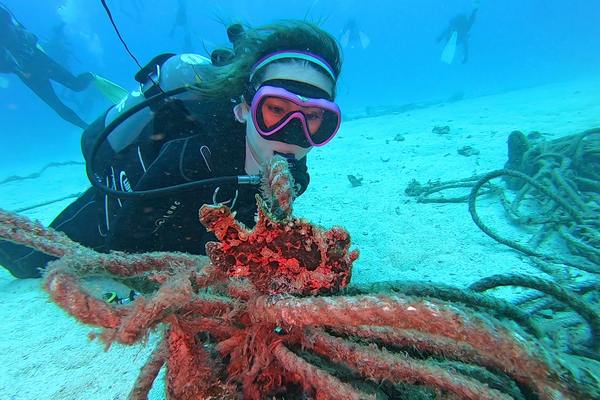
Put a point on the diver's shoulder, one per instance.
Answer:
(184, 70)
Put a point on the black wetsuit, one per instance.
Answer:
(186, 141)
(19, 54)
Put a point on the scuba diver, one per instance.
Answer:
(457, 34)
(181, 21)
(21, 55)
(196, 134)
(353, 37)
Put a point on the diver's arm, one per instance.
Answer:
(472, 19)
(143, 224)
(5, 19)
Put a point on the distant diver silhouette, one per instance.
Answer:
(457, 34)
(181, 22)
(21, 55)
(353, 37)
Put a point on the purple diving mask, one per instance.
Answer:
(284, 116)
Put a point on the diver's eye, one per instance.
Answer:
(276, 106)
(275, 109)
(316, 115)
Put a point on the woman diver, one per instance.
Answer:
(159, 155)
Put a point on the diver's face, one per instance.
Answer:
(260, 148)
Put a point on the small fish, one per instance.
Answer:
(354, 181)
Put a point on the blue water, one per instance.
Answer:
(514, 44)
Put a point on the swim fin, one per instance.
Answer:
(364, 40)
(345, 39)
(450, 49)
(113, 92)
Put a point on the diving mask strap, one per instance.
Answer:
(289, 54)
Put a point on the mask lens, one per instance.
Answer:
(328, 127)
(275, 112)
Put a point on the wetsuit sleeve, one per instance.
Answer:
(5, 22)
(167, 223)
(472, 18)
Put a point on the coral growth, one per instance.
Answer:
(268, 316)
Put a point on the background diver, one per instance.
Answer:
(21, 55)
(457, 34)
(353, 37)
(181, 22)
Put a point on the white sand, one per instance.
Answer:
(45, 354)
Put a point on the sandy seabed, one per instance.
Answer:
(45, 354)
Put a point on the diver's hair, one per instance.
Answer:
(231, 80)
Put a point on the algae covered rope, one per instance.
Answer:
(21, 230)
(577, 216)
(550, 169)
(225, 346)
(568, 166)
(553, 289)
(491, 305)
(565, 172)
(422, 192)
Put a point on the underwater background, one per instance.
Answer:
(514, 44)
(409, 117)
